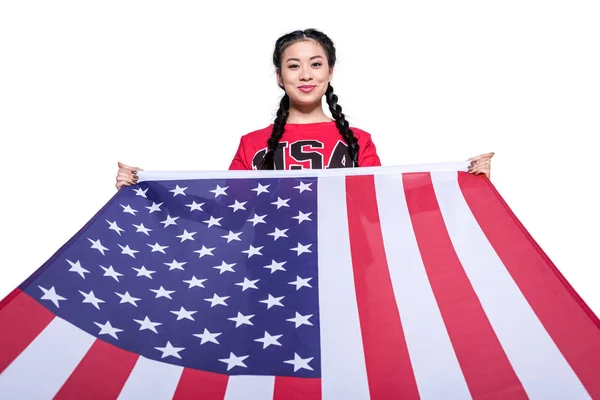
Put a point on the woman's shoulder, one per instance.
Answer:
(360, 134)
(258, 133)
(262, 134)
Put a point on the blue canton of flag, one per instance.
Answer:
(215, 275)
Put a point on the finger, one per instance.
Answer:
(127, 167)
(479, 170)
(481, 163)
(127, 174)
(485, 172)
(482, 157)
(128, 181)
(121, 184)
(121, 165)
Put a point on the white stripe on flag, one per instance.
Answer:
(434, 362)
(242, 387)
(151, 379)
(538, 363)
(343, 369)
(44, 366)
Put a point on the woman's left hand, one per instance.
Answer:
(481, 164)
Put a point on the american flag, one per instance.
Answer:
(368, 283)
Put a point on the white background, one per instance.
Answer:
(173, 86)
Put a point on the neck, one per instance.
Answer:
(306, 114)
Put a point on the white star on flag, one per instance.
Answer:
(281, 203)
(128, 251)
(195, 206)
(234, 361)
(207, 336)
(213, 221)
(218, 191)
(238, 206)
(204, 251)
(301, 249)
(110, 271)
(176, 265)
(154, 207)
(144, 272)
(301, 282)
(76, 267)
(300, 363)
(186, 236)
(224, 267)
(278, 233)
(232, 236)
(127, 298)
(253, 251)
(303, 186)
(217, 300)
(248, 284)
(157, 247)
(261, 189)
(91, 299)
(241, 319)
(50, 294)
(114, 227)
(140, 192)
(162, 292)
(178, 190)
(108, 329)
(184, 314)
(169, 221)
(269, 340)
(272, 301)
(302, 217)
(257, 219)
(195, 282)
(300, 320)
(128, 209)
(142, 228)
(147, 324)
(169, 350)
(98, 246)
(276, 266)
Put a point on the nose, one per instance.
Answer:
(305, 75)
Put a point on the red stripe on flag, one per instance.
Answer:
(101, 373)
(196, 384)
(389, 370)
(568, 320)
(484, 363)
(291, 388)
(22, 319)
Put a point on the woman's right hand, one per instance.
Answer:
(126, 175)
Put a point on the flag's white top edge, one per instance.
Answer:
(301, 173)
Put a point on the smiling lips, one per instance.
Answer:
(307, 88)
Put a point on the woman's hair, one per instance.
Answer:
(332, 100)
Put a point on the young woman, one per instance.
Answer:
(302, 136)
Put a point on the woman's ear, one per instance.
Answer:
(279, 80)
(330, 74)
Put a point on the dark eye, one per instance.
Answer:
(292, 66)
(317, 64)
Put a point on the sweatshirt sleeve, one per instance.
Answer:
(367, 156)
(240, 160)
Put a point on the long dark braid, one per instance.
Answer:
(276, 134)
(342, 125)
(282, 113)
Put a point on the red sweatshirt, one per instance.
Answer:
(315, 146)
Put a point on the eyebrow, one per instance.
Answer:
(297, 59)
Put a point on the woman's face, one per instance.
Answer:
(305, 73)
